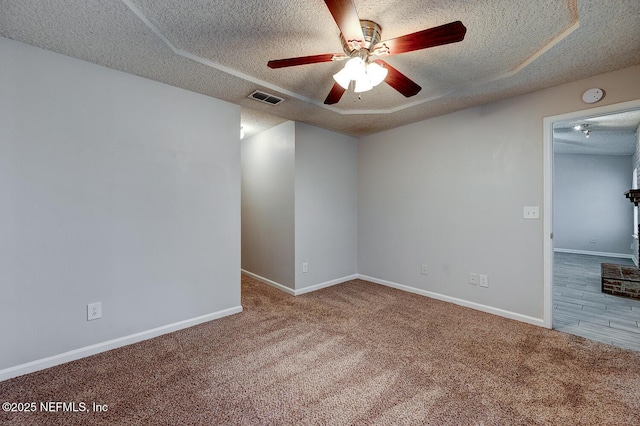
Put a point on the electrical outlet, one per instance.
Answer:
(473, 279)
(94, 311)
(484, 281)
(305, 267)
(424, 270)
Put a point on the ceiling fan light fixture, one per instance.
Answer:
(366, 76)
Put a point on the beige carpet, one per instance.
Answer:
(356, 353)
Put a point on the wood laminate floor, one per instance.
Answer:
(580, 307)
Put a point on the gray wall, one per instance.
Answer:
(326, 205)
(116, 189)
(268, 175)
(449, 192)
(299, 204)
(591, 212)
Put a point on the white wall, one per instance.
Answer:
(449, 192)
(589, 203)
(268, 174)
(116, 189)
(326, 205)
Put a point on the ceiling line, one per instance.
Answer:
(574, 26)
(209, 63)
(188, 55)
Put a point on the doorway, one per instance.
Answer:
(576, 134)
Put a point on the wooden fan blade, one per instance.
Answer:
(346, 16)
(302, 60)
(399, 81)
(436, 36)
(335, 94)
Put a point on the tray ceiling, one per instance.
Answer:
(221, 48)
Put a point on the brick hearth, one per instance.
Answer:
(621, 280)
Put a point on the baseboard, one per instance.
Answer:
(460, 302)
(41, 364)
(302, 290)
(270, 282)
(594, 253)
(326, 284)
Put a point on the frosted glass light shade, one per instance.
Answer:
(363, 84)
(376, 73)
(342, 78)
(355, 67)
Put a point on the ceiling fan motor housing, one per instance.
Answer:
(372, 33)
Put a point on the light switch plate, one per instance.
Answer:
(531, 212)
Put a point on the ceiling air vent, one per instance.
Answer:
(265, 98)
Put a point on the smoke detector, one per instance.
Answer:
(592, 96)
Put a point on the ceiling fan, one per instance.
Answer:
(361, 44)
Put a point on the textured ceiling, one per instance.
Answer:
(613, 134)
(221, 48)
